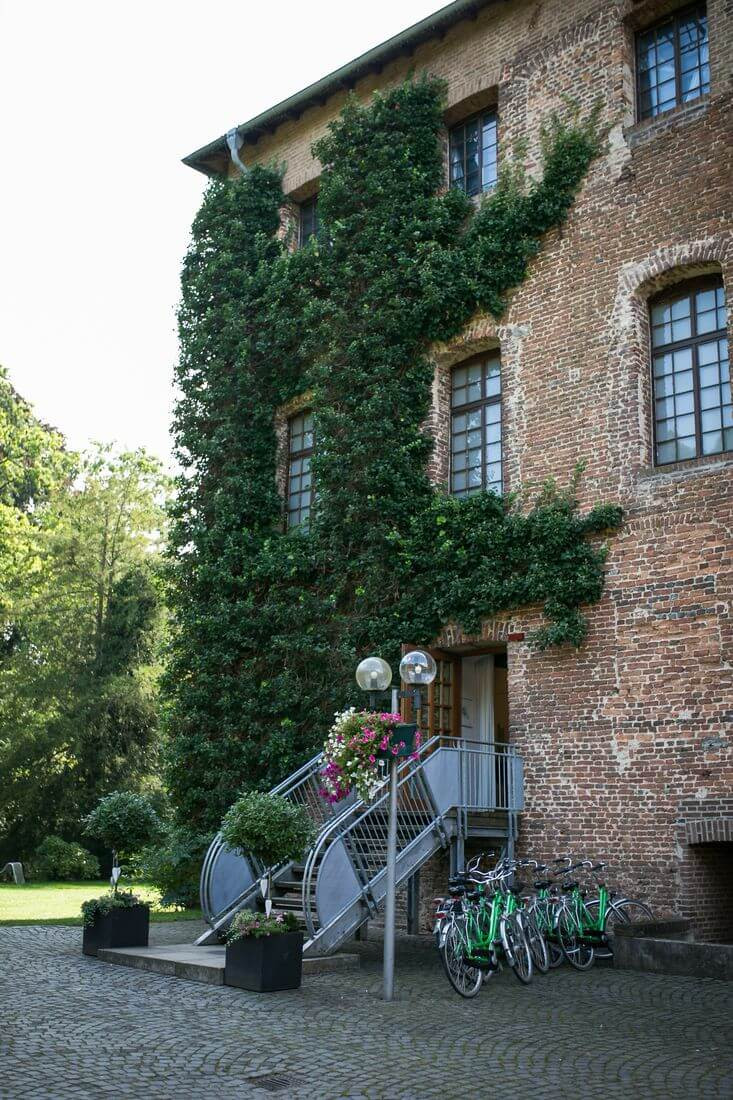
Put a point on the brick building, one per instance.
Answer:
(613, 351)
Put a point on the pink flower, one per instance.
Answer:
(372, 759)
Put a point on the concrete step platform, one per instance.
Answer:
(206, 964)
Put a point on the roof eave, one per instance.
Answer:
(212, 159)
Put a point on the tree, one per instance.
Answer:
(78, 692)
(33, 465)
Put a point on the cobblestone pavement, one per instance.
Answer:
(73, 1027)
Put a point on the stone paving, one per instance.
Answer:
(74, 1027)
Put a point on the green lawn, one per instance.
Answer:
(59, 902)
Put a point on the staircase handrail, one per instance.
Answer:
(285, 787)
(409, 769)
(294, 778)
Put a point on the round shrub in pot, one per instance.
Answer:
(269, 828)
(124, 822)
(264, 952)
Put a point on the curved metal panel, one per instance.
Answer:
(337, 885)
(229, 875)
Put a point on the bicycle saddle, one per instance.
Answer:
(544, 885)
(568, 886)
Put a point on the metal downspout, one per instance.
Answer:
(235, 144)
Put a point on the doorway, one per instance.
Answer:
(484, 722)
(468, 698)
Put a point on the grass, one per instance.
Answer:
(59, 902)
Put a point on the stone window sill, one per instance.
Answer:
(691, 467)
(642, 132)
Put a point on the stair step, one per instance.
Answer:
(286, 885)
(288, 905)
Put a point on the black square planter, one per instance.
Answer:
(119, 928)
(265, 964)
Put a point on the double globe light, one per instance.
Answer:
(417, 668)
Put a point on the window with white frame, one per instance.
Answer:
(300, 479)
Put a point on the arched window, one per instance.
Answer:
(693, 415)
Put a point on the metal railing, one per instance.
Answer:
(302, 788)
(451, 775)
(344, 871)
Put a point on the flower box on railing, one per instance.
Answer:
(404, 740)
(358, 743)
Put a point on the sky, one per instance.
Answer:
(100, 102)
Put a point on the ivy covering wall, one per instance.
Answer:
(271, 625)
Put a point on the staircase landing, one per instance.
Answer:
(206, 964)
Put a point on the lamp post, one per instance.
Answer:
(374, 675)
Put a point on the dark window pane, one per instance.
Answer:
(308, 220)
(473, 154)
(676, 45)
(300, 489)
(690, 373)
(476, 427)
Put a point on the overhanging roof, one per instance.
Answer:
(212, 159)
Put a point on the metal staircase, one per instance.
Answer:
(455, 790)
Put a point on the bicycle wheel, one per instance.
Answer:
(516, 948)
(537, 944)
(579, 954)
(632, 909)
(623, 911)
(554, 950)
(465, 979)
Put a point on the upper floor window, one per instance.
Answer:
(692, 402)
(476, 426)
(300, 483)
(473, 153)
(672, 62)
(308, 220)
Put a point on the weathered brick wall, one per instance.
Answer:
(618, 736)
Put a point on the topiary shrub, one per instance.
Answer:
(269, 828)
(63, 860)
(124, 822)
(173, 865)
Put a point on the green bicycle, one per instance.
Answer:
(584, 927)
(477, 930)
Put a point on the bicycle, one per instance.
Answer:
(584, 926)
(478, 929)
